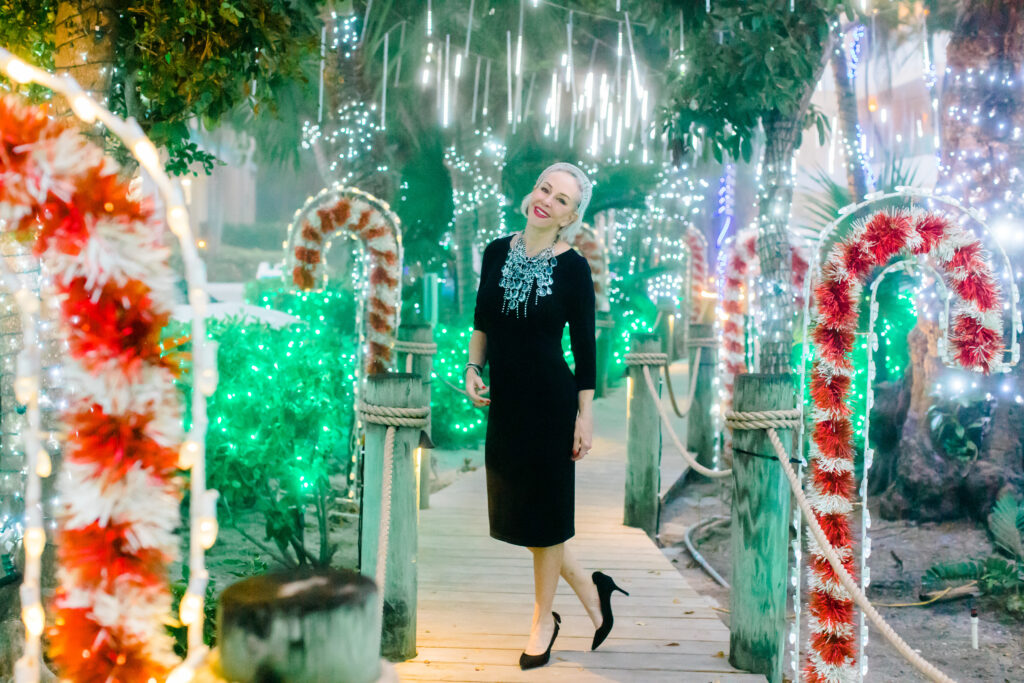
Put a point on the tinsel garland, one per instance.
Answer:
(593, 249)
(119, 489)
(741, 268)
(698, 246)
(975, 337)
(338, 210)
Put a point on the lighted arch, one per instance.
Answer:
(697, 244)
(976, 344)
(340, 210)
(120, 494)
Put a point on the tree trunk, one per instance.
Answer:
(85, 28)
(980, 155)
(858, 178)
(776, 296)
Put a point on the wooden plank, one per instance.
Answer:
(643, 443)
(476, 594)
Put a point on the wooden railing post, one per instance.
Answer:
(760, 532)
(397, 390)
(667, 326)
(605, 333)
(643, 441)
(700, 428)
(422, 364)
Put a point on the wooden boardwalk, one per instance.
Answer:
(476, 594)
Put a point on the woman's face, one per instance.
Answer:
(553, 201)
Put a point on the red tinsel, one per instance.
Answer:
(885, 234)
(85, 652)
(117, 442)
(98, 556)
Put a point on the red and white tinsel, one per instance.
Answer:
(592, 248)
(740, 270)
(340, 210)
(698, 247)
(976, 340)
(119, 488)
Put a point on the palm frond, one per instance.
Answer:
(954, 572)
(1002, 522)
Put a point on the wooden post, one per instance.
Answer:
(643, 442)
(605, 334)
(700, 429)
(398, 390)
(760, 532)
(300, 625)
(666, 326)
(422, 365)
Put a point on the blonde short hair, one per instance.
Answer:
(568, 232)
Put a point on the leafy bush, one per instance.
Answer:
(1001, 574)
(957, 426)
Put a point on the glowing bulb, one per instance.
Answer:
(34, 542)
(43, 464)
(146, 153)
(188, 454)
(207, 532)
(191, 605)
(182, 674)
(19, 71)
(26, 389)
(177, 220)
(27, 301)
(34, 619)
(84, 108)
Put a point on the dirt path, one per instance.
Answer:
(901, 554)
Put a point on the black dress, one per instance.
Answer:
(534, 401)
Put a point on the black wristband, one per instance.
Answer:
(479, 368)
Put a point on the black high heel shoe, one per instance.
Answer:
(533, 661)
(605, 588)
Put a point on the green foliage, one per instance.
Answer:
(744, 62)
(186, 60)
(26, 29)
(1000, 574)
(280, 423)
(177, 630)
(957, 426)
(463, 425)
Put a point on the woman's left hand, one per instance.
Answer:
(583, 437)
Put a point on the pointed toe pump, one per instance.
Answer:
(605, 588)
(533, 661)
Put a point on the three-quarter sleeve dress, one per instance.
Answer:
(534, 397)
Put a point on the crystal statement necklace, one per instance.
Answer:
(521, 271)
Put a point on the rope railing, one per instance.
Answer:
(392, 418)
(412, 349)
(691, 391)
(770, 420)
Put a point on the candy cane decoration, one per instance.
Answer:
(590, 245)
(119, 489)
(976, 342)
(339, 210)
(698, 245)
(740, 266)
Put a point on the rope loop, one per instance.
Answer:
(763, 419)
(394, 417)
(417, 348)
(702, 343)
(656, 358)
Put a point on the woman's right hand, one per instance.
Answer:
(475, 388)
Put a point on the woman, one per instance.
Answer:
(541, 421)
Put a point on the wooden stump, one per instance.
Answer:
(398, 390)
(760, 532)
(605, 336)
(300, 626)
(643, 443)
(700, 428)
(422, 365)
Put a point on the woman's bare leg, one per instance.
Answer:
(547, 564)
(583, 585)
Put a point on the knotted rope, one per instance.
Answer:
(665, 420)
(392, 418)
(770, 420)
(654, 358)
(412, 348)
(702, 342)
